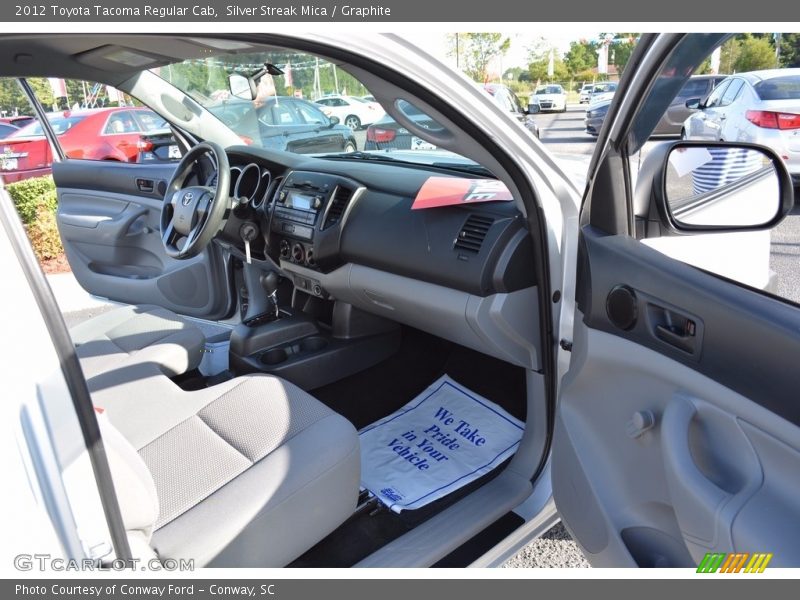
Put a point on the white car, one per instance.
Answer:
(585, 93)
(282, 316)
(550, 97)
(351, 111)
(761, 107)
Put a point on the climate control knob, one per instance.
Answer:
(285, 249)
(298, 254)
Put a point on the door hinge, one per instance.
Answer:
(566, 345)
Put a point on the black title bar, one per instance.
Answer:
(282, 11)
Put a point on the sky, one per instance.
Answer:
(517, 55)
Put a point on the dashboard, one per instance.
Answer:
(320, 214)
(345, 231)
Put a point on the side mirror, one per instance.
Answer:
(333, 120)
(241, 87)
(694, 103)
(694, 188)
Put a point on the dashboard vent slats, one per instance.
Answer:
(341, 198)
(472, 234)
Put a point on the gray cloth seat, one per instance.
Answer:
(131, 335)
(249, 473)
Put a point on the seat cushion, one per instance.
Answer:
(134, 335)
(252, 472)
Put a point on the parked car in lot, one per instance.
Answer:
(671, 121)
(388, 134)
(550, 97)
(595, 115)
(285, 123)
(602, 91)
(97, 134)
(249, 402)
(698, 86)
(585, 93)
(351, 111)
(760, 107)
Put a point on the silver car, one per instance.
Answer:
(761, 107)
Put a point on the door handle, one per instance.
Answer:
(674, 337)
(145, 185)
(673, 327)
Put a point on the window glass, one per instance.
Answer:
(779, 88)
(732, 91)
(694, 88)
(120, 122)
(715, 97)
(284, 114)
(311, 115)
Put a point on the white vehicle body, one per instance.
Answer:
(550, 98)
(351, 111)
(762, 107)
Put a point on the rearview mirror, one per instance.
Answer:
(693, 103)
(732, 187)
(240, 87)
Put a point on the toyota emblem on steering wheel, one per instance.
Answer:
(187, 198)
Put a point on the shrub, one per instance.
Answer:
(43, 230)
(29, 194)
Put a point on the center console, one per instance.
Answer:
(307, 218)
(317, 340)
(311, 353)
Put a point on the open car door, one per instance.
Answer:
(677, 433)
(109, 220)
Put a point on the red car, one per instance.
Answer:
(96, 134)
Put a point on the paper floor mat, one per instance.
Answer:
(442, 440)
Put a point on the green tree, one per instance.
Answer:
(619, 52)
(13, 100)
(475, 51)
(537, 69)
(790, 50)
(755, 53)
(581, 56)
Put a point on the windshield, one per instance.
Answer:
(60, 124)
(307, 106)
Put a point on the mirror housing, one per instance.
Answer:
(668, 201)
(333, 120)
(694, 103)
(242, 87)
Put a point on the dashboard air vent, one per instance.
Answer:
(341, 198)
(473, 233)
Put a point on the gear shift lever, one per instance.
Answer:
(269, 282)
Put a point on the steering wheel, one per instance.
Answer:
(191, 216)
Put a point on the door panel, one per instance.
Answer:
(108, 217)
(664, 450)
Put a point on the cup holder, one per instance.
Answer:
(274, 356)
(313, 343)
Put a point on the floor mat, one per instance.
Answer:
(442, 440)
